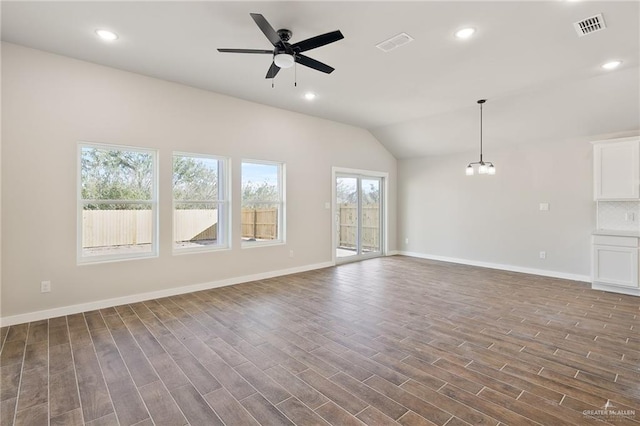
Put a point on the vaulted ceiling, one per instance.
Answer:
(542, 81)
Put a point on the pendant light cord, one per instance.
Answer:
(481, 101)
(481, 133)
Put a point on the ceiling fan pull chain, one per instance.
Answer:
(295, 74)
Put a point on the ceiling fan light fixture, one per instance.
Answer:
(309, 96)
(283, 60)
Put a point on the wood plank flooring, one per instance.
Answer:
(391, 340)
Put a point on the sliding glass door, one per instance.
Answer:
(359, 201)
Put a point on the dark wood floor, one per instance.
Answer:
(386, 341)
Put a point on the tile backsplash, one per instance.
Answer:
(616, 215)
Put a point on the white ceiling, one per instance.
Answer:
(542, 81)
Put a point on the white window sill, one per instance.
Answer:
(256, 244)
(196, 250)
(98, 260)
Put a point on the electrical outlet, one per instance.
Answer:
(543, 255)
(45, 286)
(327, 205)
(630, 217)
(544, 207)
(290, 253)
(406, 240)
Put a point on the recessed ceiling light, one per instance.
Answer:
(107, 35)
(611, 65)
(465, 33)
(309, 96)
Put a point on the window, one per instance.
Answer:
(200, 204)
(117, 203)
(262, 202)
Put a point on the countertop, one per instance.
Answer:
(616, 233)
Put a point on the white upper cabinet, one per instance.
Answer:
(616, 166)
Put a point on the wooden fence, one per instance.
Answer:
(260, 224)
(348, 227)
(107, 228)
(195, 225)
(103, 228)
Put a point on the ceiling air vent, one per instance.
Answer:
(590, 25)
(394, 42)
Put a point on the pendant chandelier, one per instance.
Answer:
(484, 167)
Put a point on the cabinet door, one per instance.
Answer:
(617, 170)
(615, 265)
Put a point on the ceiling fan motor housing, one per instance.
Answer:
(284, 34)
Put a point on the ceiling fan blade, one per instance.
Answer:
(273, 71)
(246, 51)
(317, 41)
(312, 63)
(267, 29)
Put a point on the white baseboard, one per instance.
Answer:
(134, 298)
(511, 268)
(616, 289)
(392, 253)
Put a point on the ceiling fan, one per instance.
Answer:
(284, 53)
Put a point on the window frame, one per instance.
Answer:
(153, 202)
(281, 224)
(224, 186)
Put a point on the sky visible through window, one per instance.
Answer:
(255, 173)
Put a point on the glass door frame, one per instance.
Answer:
(337, 172)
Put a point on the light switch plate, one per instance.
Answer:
(544, 207)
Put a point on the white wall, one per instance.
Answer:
(496, 220)
(51, 102)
